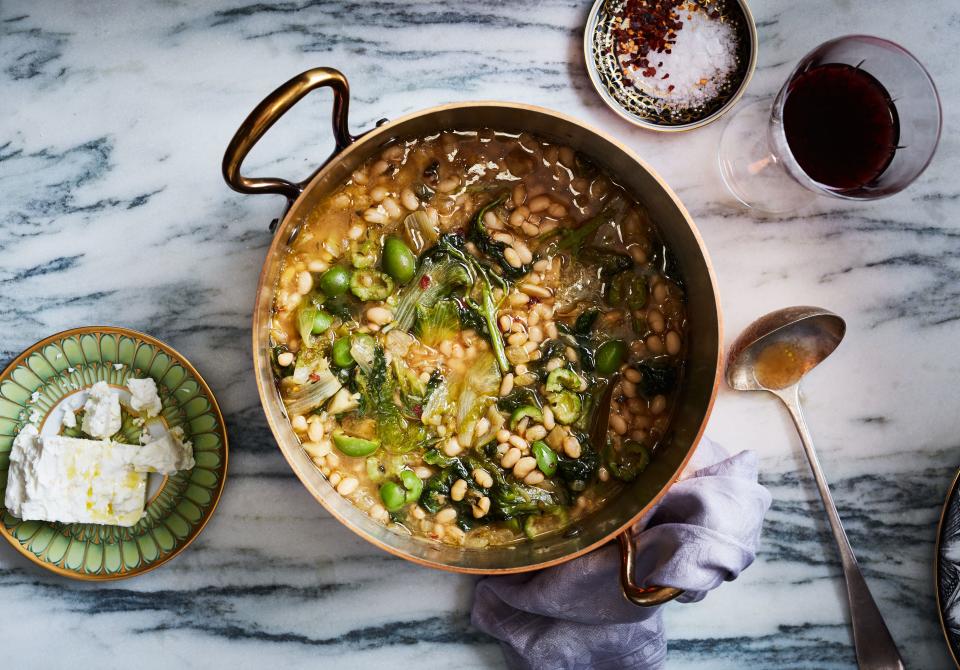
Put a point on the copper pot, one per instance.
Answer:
(702, 373)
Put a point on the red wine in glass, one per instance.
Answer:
(841, 125)
(833, 129)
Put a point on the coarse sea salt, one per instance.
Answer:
(700, 60)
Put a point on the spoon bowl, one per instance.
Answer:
(773, 354)
(778, 349)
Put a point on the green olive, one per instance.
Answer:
(354, 446)
(340, 353)
(566, 406)
(374, 469)
(546, 457)
(369, 284)
(413, 484)
(322, 320)
(563, 378)
(398, 261)
(610, 356)
(393, 495)
(335, 281)
(525, 411)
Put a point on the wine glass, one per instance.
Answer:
(858, 118)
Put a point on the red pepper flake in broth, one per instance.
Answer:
(424, 281)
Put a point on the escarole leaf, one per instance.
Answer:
(477, 390)
(310, 360)
(420, 230)
(449, 268)
(489, 311)
(363, 350)
(512, 499)
(436, 402)
(437, 276)
(573, 239)
(311, 384)
(305, 317)
(437, 323)
(489, 247)
(411, 388)
(377, 389)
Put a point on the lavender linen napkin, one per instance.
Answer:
(704, 531)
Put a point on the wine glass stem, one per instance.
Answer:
(872, 641)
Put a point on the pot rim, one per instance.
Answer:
(267, 391)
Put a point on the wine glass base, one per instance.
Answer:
(749, 168)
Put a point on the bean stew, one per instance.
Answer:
(446, 320)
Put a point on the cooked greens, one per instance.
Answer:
(397, 433)
(446, 321)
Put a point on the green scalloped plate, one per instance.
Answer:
(32, 389)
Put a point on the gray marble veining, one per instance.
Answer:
(112, 210)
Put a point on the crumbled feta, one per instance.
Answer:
(69, 418)
(101, 411)
(66, 479)
(118, 366)
(164, 450)
(143, 396)
(35, 417)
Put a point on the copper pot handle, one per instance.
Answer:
(268, 112)
(643, 596)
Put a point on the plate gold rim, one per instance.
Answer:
(194, 531)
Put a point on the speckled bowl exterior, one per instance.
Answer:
(37, 380)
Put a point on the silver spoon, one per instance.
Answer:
(773, 354)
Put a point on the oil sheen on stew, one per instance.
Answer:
(446, 320)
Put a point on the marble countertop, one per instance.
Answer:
(112, 210)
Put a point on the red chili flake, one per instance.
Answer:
(670, 88)
(645, 27)
(418, 410)
(424, 281)
(666, 76)
(314, 377)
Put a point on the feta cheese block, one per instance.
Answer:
(164, 450)
(24, 455)
(143, 396)
(101, 411)
(73, 480)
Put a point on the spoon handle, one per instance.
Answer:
(872, 641)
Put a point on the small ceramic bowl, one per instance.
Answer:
(642, 109)
(35, 388)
